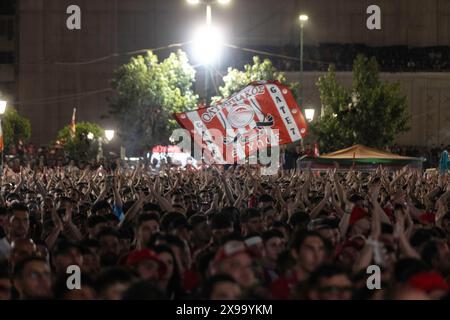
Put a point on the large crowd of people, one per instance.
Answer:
(222, 233)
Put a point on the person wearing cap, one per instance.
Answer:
(235, 260)
(147, 264)
(430, 282)
(347, 252)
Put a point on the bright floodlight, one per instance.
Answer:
(3, 106)
(303, 18)
(193, 1)
(224, 1)
(109, 134)
(90, 136)
(208, 43)
(309, 114)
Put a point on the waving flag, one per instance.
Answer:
(242, 120)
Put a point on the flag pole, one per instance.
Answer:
(1, 147)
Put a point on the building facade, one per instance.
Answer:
(59, 69)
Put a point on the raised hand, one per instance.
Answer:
(374, 190)
(399, 227)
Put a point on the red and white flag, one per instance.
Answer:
(240, 123)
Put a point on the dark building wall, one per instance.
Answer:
(47, 84)
(7, 49)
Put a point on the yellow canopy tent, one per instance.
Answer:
(362, 157)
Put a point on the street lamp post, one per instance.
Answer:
(303, 19)
(208, 4)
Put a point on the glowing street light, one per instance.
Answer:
(309, 114)
(109, 134)
(90, 136)
(193, 1)
(303, 17)
(3, 104)
(208, 42)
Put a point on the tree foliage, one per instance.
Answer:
(80, 148)
(236, 80)
(15, 127)
(148, 92)
(371, 113)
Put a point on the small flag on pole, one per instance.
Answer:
(73, 124)
(316, 150)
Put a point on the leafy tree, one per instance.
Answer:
(80, 147)
(372, 112)
(15, 127)
(148, 92)
(236, 80)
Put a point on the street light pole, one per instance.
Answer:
(303, 18)
(208, 24)
(208, 4)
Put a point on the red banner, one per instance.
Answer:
(241, 123)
